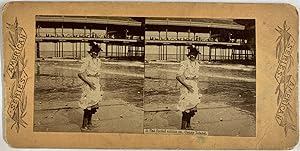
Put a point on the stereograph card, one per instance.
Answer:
(150, 75)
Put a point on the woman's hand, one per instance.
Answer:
(190, 88)
(82, 76)
(92, 85)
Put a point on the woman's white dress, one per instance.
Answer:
(91, 66)
(188, 101)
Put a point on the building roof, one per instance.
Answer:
(95, 20)
(196, 22)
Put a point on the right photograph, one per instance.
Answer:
(200, 76)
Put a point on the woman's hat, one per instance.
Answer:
(193, 51)
(95, 47)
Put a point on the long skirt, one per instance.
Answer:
(188, 101)
(90, 98)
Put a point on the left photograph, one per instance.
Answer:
(89, 74)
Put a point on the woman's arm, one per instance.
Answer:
(180, 79)
(82, 76)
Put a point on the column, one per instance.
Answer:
(38, 50)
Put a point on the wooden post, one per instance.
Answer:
(118, 49)
(72, 32)
(166, 33)
(225, 53)
(159, 53)
(183, 53)
(79, 50)
(215, 53)
(73, 50)
(234, 56)
(158, 35)
(57, 52)
(203, 52)
(125, 50)
(194, 36)
(84, 49)
(76, 50)
(106, 50)
(54, 49)
(122, 50)
(176, 53)
(166, 52)
(179, 53)
(228, 54)
(163, 52)
(84, 31)
(198, 48)
(111, 50)
(62, 30)
(222, 53)
(38, 50)
(62, 49)
(209, 59)
(106, 32)
(58, 49)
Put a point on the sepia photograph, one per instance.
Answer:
(89, 74)
(200, 76)
(145, 75)
(127, 75)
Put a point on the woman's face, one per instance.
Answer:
(94, 54)
(192, 57)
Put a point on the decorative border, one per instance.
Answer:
(16, 72)
(285, 115)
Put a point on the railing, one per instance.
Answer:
(168, 42)
(79, 55)
(131, 39)
(195, 40)
(180, 57)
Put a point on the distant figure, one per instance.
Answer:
(92, 93)
(190, 97)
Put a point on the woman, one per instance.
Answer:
(92, 93)
(190, 97)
